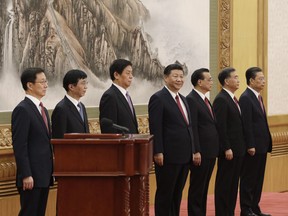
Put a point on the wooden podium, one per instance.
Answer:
(103, 174)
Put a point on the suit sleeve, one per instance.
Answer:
(108, 109)
(221, 109)
(155, 110)
(247, 117)
(59, 122)
(194, 121)
(20, 132)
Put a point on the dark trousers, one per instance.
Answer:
(170, 181)
(226, 185)
(198, 189)
(251, 182)
(33, 202)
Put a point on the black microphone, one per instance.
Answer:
(109, 123)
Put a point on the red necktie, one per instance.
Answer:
(237, 104)
(181, 109)
(44, 115)
(209, 106)
(261, 103)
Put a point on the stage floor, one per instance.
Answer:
(275, 204)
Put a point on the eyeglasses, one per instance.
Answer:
(43, 82)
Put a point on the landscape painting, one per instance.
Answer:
(59, 35)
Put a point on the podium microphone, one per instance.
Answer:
(109, 123)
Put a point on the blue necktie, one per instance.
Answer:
(81, 110)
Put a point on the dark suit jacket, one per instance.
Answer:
(204, 127)
(229, 123)
(66, 119)
(31, 144)
(114, 106)
(172, 136)
(256, 128)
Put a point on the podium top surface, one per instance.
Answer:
(73, 138)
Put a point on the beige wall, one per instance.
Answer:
(244, 38)
(277, 57)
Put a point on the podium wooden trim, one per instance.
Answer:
(103, 174)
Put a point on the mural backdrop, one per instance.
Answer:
(59, 35)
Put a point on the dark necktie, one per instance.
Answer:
(237, 104)
(261, 103)
(129, 102)
(44, 115)
(81, 110)
(181, 109)
(209, 106)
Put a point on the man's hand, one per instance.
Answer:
(28, 183)
(197, 159)
(229, 154)
(159, 159)
(251, 151)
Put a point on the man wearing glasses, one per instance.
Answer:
(31, 144)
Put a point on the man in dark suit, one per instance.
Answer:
(170, 123)
(115, 103)
(232, 144)
(205, 140)
(258, 143)
(69, 115)
(31, 144)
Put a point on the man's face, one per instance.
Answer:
(39, 87)
(80, 88)
(206, 83)
(232, 82)
(258, 83)
(174, 80)
(125, 78)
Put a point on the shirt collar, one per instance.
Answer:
(73, 100)
(121, 89)
(255, 92)
(230, 93)
(173, 94)
(33, 99)
(200, 94)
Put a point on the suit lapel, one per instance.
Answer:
(85, 119)
(203, 104)
(73, 109)
(230, 101)
(125, 103)
(174, 105)
(38, 115)
(256, 102)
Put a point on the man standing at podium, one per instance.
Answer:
(69, 115)
(170, 123)
(116, 103)
(31, 144)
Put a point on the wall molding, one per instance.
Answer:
(8, 165)
(225, 33)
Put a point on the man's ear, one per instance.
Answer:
(29, 85)
(116, 74)
(70, 87)
(251, 81)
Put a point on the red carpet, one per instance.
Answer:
(275, 204)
